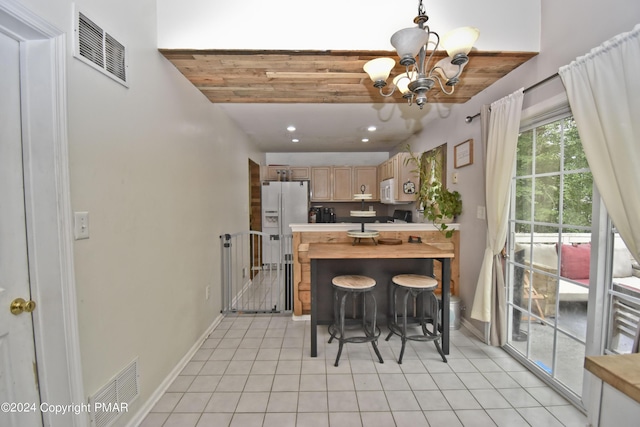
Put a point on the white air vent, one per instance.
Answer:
(115, 397)
(96, 47)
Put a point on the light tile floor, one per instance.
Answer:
(256, 371)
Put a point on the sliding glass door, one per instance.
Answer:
(549, 250)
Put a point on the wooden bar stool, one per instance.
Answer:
(354, 286)
(424, 310)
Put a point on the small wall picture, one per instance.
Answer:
(463, 154)
(409, 188)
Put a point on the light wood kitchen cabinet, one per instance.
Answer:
(299, 173)
(331, 183)
(367, 176)
(388, 168)
(272, 173)
(321, 183)
(286, 173)
(382, 171)
(342, 183)
(404, 173)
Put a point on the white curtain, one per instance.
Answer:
(603, 88)
(500, 154)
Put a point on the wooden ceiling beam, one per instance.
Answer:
(248, 76)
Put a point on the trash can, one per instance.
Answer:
(454, 311)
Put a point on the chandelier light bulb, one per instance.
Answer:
(408, 43)
(379, 70)
(449, 71)
(401, 81)
(460, 40)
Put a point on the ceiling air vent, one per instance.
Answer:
(96, 47)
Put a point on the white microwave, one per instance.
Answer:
(387, 192)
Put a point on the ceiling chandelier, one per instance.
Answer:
(420, 77)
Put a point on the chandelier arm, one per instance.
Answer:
(456, 75)
(442, 87)
(410, 100)
(426, 62)
(393, 89)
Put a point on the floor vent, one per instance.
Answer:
(115, 397)
(99, 49)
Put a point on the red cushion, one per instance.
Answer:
(574, 261)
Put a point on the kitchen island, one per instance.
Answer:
(306, 234)
(381, 262)
(619, 378)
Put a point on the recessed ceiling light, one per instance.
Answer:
(365, 139)
(291, 128)
(295, 140)
(371, 128)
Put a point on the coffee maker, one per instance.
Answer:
(332, 215)
(315, 214)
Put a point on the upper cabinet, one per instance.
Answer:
(299, 173)
(286, 173)
(388, 168)
(340, 183)
(321, 183)
(330, 183)
(367, 176)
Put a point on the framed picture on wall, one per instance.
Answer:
(463, 154)
(434, 163)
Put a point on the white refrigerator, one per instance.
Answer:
(283, 203)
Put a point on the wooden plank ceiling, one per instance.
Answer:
(251, 76)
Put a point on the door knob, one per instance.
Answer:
(19, 305)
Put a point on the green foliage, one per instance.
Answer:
(546, 174)
(438, 202)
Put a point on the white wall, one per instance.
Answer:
(569, 29)
(338, 24)
(160, 171)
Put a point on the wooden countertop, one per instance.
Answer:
(365, 250)
(620, 371)
(345, 226)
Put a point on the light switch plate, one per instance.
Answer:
(481, 212)
(81, 225)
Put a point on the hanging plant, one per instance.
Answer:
(439, 205)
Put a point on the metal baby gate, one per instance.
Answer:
(256, 270)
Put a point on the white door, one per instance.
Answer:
(18, 377)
